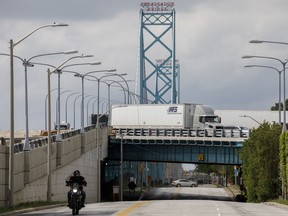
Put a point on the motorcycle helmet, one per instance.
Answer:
(76, 173)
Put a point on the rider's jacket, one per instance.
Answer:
(80, 180)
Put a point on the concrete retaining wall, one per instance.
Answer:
(76, 151)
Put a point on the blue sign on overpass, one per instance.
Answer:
(181, 149)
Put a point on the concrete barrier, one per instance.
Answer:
(75, 151)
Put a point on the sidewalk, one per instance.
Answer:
(234, 190)
(21, 211)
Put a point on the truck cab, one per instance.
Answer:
(63, 126)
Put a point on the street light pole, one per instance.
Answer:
(28, 63)
(49, 186)
(98, 154)
(87, 110)
(82, 76)
(284, 84)
(57, 101)
(74, 108)
(250, 118)
(49, 65)
(279, 85)
(121, 174)
(265, 41)
(11, 155)
(284, 189)
(58, 70)
(46, 98)
(66, 105)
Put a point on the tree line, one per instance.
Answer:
(264, 169)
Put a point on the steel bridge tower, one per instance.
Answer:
(159, 69)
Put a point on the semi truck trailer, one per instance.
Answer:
(181, 116)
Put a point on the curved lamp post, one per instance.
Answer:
(66, 105)
(26, 64)
(109, 87)
(97, 131)
(109, 84)
(87, 110)
(58, 138)
(74, 110)
(284, 192)
(93, 109)
(284, 86)
(58, 101)
(11, 155)
(82, 76)
(129, 93)
(247, 116)
(279, 73)
(266, 41)
(46, 98)
(59, 70)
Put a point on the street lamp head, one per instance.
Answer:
(77, 75)
(249, 66)
(73, 51)
(112, 70)
(28, 64)
(59, 24)
(87, 56)
(247, 56)
(95, 63)
(255, 41)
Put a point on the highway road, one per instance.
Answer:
(200, 201)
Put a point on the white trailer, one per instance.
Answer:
(182, 116)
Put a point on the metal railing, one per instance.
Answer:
(42, 141)
(228, 133)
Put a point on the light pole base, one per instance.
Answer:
(26, 144)
(58, 137)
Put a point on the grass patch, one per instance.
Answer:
(27, 205)
(284, 202)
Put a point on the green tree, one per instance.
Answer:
(276, 106)
(218, 169)
(260, 158)
(283, 148)
(208, 168)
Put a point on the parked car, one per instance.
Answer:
(184, 183)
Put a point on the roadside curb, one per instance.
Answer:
(17, 212)
(233, 190)
(278, 205)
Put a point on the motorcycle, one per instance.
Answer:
(76, 197)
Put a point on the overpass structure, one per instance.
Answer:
(80, 151)
(178, 145)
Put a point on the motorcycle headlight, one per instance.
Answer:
(74, 190)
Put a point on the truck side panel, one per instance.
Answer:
(151, 115)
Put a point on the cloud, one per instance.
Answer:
(211, 37)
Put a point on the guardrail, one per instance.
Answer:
(41, 141)
(182, 132)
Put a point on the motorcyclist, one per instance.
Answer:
(80, 180)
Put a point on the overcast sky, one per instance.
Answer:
(211, 38)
